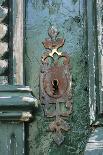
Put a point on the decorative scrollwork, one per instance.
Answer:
(55, 84)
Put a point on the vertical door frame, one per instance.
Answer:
(16, 102)
(16, 16)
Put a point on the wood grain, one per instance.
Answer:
(18, 6)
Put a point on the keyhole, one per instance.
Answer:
(55, 87)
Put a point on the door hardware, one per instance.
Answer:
(55, 84)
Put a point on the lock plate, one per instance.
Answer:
(55, 81)
(55, 84)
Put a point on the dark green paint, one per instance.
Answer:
(7, 143)
(4, 40)
(95, 143)
(71, 20)
(93, 57)
(76, 21)
(14, 101)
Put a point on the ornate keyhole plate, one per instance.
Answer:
(55, 84)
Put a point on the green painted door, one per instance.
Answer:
(70, 18)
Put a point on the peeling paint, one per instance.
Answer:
(3, 44)
(26, 116)
(99, 5)
(25, 88)
(68, 17)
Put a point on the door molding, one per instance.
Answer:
(16, 16)
(16, 102)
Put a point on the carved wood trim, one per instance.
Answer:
(11, 39)
(17, 37)
(100, 50)
(3, 44)
(92, 62)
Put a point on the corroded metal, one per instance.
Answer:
(55, 84)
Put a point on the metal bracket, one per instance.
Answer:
(55, 85)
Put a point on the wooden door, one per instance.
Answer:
(71, 18)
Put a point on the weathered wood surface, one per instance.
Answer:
(92, 59)
(71, 20)
(16, 107)
(12, 139)
(3, 48)
(100, 50)
(17, 37)
(3, 44)
(95, 143)
(16, 102)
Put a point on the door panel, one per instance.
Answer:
(70, 19)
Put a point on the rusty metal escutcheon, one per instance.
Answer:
(55, 84)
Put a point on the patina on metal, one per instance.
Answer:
(55, 84)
